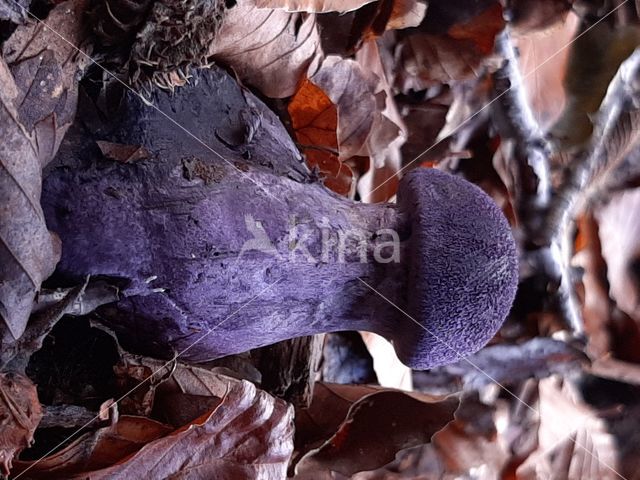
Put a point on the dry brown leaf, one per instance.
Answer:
(37, 104)
(312, 6)
(269, 49)
(470, 442)
(349, 89)
(597, 308)
(176, 392)
(378, 424)
(99, 449)
(20, 413)
(248, 435)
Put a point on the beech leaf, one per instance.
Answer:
(269, 49)
(379, 423)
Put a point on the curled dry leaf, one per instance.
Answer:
(248, 435)
(37, 104)
(98, 449)
(269, 49)
(378, 423)
(311, 6)
(20, 413)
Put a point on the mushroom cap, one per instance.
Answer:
(463, 271)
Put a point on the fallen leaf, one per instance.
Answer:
(269, 49)
(98, 449)
(37, 104)
(378, 423)
(314, 118)
(20, 413)
(470, 442)
(543, 85)
(406, 13)
(312, 6)
(346, 85)
(248, 435)
(123, 153)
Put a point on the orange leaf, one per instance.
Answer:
(315, 121)
(314, 117)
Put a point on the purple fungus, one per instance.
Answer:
(217, 257)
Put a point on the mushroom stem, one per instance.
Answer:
(220, 257)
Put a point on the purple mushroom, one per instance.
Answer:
(217, 257)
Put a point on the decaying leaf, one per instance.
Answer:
(543, 85)
(20, 413)
(378, 423)
(98, 449)
(269, 49)
(249, 434)
(37, 104)
(312, 6)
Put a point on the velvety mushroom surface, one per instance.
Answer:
(223, 241)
